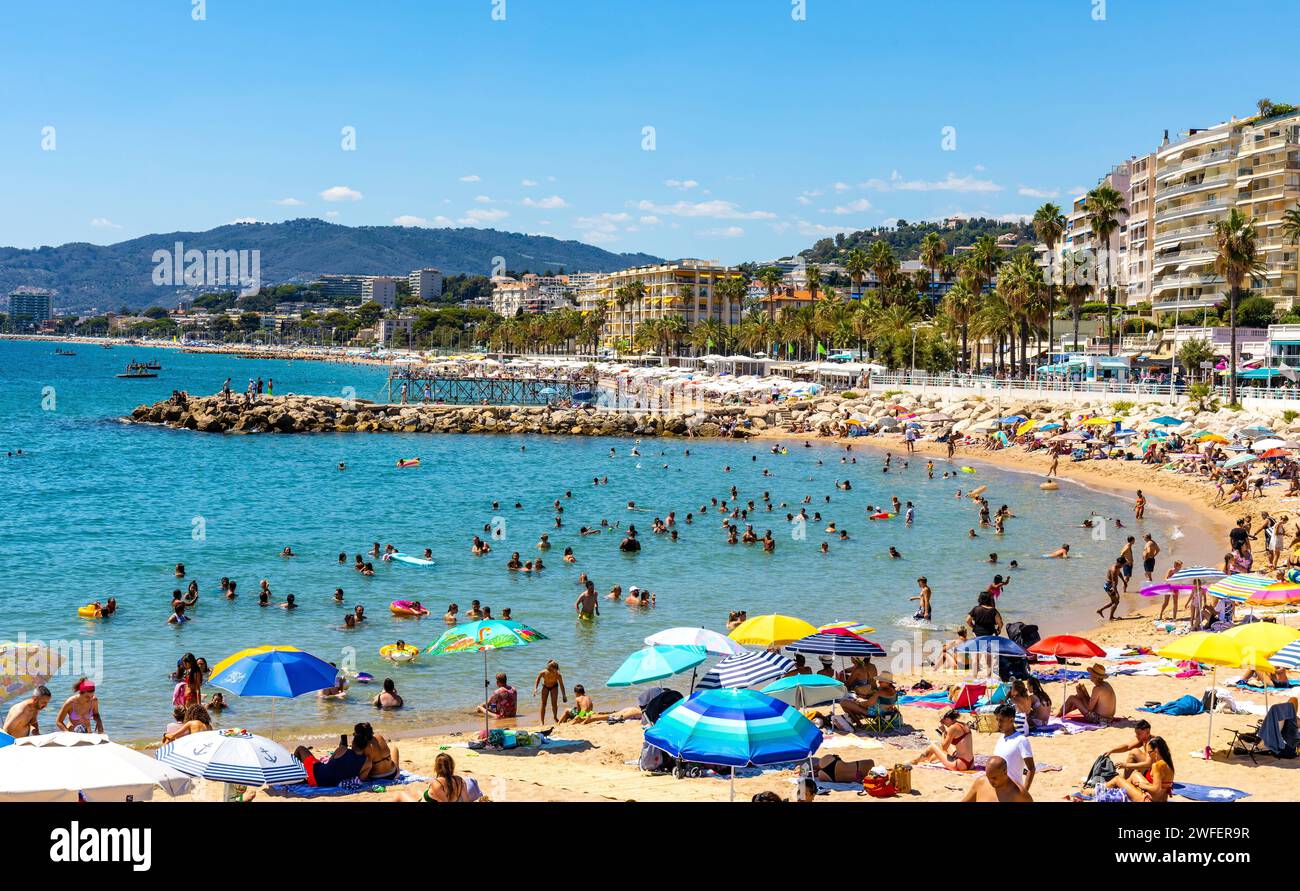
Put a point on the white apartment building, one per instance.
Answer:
(426, 284)
(531, 294)
(381, 289)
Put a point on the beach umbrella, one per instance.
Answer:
(936, 417)
(1067, 646)
(745, 671)
(1072, 436)
(771, 631)
(854, 627)
(5, 739)
(1256, 432)
(734, 728)
(233, 756)
(713, 641)
(1266, 638)
(654, 663)
(1239, 460)
(1166, 588)
(1052, 426)
(1264, 445)
(484, 636)
(1012, 419)
(1274, 453)
(279, 672)
(82, 766)
(1244, 585)
(1026, 427)
(806, 690)
(1191, 573)
(1287, 657)
(1211, 437)
(1167, 421)
(993, 645)
(1097, 422)
(1214, 650)
(830, 643)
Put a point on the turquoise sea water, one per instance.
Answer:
(99, 508)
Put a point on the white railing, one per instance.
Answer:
(1043, 386)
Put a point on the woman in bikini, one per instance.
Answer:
(1157, 783)
(446, 785)
(551, 683)
(957, 738)
(384, 764)
(80, 709)
(834, 769)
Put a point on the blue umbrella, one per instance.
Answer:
(282, 672)
(736, 728)
(1287, 657)
(824, 644)
(743, 671)
(1051, 426)
(991, 644)
(1012, 419)
(654, 663)
(1167, 421)
(5, 739)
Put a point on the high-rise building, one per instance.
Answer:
(683, 288)
(29, 308)
(381, 289)
(426, 284)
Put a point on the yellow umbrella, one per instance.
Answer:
(1026, 426)
(1265, 638)
(771, 631)
(1214, 650)
(1098, 422)
(1211, 437)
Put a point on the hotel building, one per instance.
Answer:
(682, 288)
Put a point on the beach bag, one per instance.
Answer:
(1105, 793)
(901, 776)
(1101, 772)
(654, 760)
(879, 787)
(1209, 699)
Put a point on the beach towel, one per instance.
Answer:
(981, 762)
(1195, 792)
(1278, 732)
(306, 790)
(1180, 707)
(1065, 725)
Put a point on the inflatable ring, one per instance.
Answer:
(405, 654)
(90, 611)
(881, 516)
(1048, 486)
(968, 470)
(407, 608)
(408, 462)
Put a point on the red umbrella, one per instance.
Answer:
(1275, 453)
(1067, 645)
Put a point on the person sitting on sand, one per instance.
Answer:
(504, 701)
(583, 707)
(347, 762)
(446, 786)
(1156, 783)
(834, 769)
(385, 761)
(1095, 707)
(955, 749)
(1137, 759)
(388, 697)
(995, 786)
(1277, 678)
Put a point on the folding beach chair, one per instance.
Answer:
(1248, 742)
(883, 721)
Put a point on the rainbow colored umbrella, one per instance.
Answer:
(852, 627)
(484, 636)
(24, 666)
(735, 728)
(1243, 586)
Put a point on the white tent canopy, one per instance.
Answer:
(58, 766)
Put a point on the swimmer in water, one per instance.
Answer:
(1060, 553)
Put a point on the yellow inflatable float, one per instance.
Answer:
(403, 653)
(91, 611)
(1048, 486)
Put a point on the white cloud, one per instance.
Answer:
(528, 183)
(724, 232)
(1030, 192)
(470, 178)
(104, 223)
(443, 221)
(550, 202)
(951, 183)
(803, 227)
(288, 202)
(804, 200)
(484, 215)
(861, 205)
(482, 199)
(650, 220)
(716, 209)
(409, 220)
(340, 193)
(682, 184)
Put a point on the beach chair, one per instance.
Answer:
(884, 720)
(1248, 742)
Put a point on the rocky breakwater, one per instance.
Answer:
(322, 414)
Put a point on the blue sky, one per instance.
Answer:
(769, 132)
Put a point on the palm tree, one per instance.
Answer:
(1049, 226)
(1291, 224)
(883, 263)
(1074, 288)
(1105, 207)
(857, 265)
(732, 291)
(1237, 259)
(960, 304)
(813, 275)
(996, 320)
(933, 250)
(771, 277)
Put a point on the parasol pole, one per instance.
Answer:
(1214, 674)
(485, 697)
(732, 791)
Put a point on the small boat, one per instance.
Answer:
(63, 352)
(137, 370)
(152, 366)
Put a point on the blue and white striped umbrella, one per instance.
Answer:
(1288, 656)
(745, 671)
(233, 756)
(1196, 572)
(823, 644)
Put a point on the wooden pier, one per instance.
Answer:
(486, 390)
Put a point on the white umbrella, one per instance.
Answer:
(233, 756)
(712, 641)
(1263, 445)
(60, 766)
